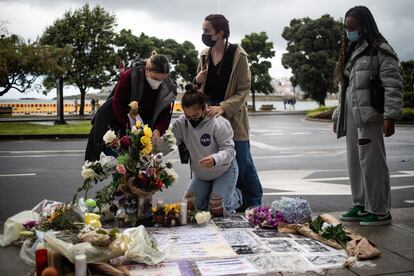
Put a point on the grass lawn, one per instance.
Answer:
(11, 128)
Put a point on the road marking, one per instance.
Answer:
(294, 182)
(39, 151)
(263, 146)
(409, 201)
(17, 174)
(40, 155)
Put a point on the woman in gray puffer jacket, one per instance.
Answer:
(367, 61)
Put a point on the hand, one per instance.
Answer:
(214, 111)
(207, 162)
(389, 128)
(156, 137)
(334, 127)
(201, 76)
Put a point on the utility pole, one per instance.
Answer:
(412, 90)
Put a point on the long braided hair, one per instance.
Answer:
(370, 33)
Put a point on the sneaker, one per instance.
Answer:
(373, 219)
(356, 213)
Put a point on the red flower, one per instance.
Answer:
(125, 142)
(158, 183)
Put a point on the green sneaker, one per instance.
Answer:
(356, 213)
(373, 219)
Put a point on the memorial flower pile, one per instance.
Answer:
(136, 165)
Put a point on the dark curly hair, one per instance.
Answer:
(370, 32)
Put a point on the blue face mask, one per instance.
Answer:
(353, 36)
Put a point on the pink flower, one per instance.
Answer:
(120, 169)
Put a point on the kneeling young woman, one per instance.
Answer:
(211, 148)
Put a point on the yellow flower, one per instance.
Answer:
(145, 141)
(147, 150)
(138, 124)
(147, 131)
(93, 220)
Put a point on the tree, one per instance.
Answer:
(22, 63)
(312, 51)
(90, 34)
(183, 56)
(407, 72)
(259, 50)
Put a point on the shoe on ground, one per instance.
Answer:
(373, 219)
(356, 213)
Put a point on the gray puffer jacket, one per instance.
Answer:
(384, 65)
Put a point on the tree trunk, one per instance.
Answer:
(254, 100)
(321, 102)
(82, 101)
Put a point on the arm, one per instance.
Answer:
(232, 105)
(390, 77)
(176, 129)
(163, 120)
(121, 99)
(223, 134)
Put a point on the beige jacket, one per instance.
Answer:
(235, 98)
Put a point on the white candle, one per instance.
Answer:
(183, 213)
(80, 265)
(160, 203)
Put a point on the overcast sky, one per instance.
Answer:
(182, 19)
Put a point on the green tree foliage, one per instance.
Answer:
(183, 56)
(90, 34)
(259, 52)
(407, 72)
(313, 47)
(22, 63)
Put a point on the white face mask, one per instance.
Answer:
(154, 83)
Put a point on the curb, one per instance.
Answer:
(43, 137)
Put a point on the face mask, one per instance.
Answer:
(353, 36)
(207, 40)
(154, 83)
(195, 122)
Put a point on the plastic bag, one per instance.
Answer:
(93, 253)
(46, 207)
(14, 225)
(141, 248)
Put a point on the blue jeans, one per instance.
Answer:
(248, 181)
(223, 186)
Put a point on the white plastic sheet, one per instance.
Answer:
(14, 225)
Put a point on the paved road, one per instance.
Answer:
(293, 157)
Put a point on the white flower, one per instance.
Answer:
(202, 217)
(171, 173)
(88, 173)
(107, 161)
(325, 225)
(135, 131)
(109, 136)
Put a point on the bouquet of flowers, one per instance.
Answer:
(262, 216)
(137, 166)
(295, 210)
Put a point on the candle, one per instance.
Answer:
(80, 265)
(41, 260)
(160, 203)
(183, 213)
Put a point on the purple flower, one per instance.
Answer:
(262, 216)
(30, 224)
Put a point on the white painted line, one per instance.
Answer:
(40, 151)
(45, 155)
(17, 174)
(262, 145)
(409, 201)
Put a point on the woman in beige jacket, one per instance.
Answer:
(224, 76)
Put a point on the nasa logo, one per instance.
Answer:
(205, 140)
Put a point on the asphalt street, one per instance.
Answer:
(294, 157)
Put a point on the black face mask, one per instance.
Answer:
(207, 40)
(195, 122)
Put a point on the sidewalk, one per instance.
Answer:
(396, 243)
